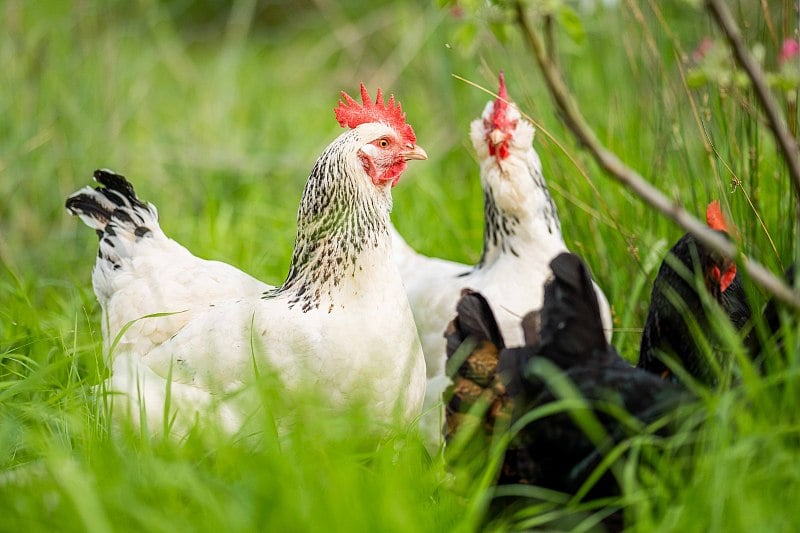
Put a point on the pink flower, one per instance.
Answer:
(702, 49)
(790, 49)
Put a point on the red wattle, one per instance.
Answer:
(727, 278)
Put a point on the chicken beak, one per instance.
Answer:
(414, 152)
(496, 137)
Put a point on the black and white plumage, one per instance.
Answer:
(522, 233)
(340, 323)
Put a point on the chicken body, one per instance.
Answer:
(566, 345)
(676, 306)
(340, 323)
(522, 233)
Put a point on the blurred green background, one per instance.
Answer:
(216, 112)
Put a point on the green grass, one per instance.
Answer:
(218, 119)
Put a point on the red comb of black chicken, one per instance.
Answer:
(675, 303)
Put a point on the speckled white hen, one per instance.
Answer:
(522, 234)
(340, 323)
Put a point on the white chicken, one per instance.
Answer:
(522, 234)
(340, 323)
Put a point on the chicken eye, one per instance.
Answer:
(383, 143)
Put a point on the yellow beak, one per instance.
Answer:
(497, 137)
(414, 152)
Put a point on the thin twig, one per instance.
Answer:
(609, 162)
(770, 24)
(788, 146)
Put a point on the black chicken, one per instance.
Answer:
(565, 340)
(567, 336)
(675, 305)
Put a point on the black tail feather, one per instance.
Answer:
(116, 183)
(570, 318)
(474, 320)
(85, 204)
(113, 204)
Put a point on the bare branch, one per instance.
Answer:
(609, 162)
(780, 131)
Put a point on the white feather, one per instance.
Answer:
(197, 328)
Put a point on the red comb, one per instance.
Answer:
(499, 122)
(500, 112)
(501, 104)
(351, 114)
(714, 217)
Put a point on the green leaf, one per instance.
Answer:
(465, 36)
(696, 78)
(500, 30)
(571, 22)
